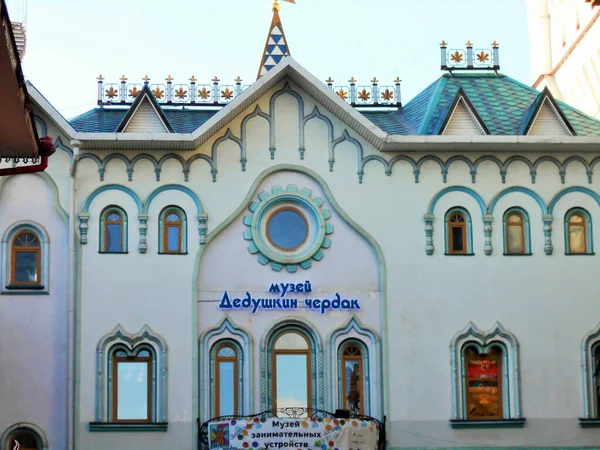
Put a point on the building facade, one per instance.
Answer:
(294, 243)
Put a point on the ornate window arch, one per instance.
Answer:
(26, 269)
(296, 347)
(172, 231)
(144, 355)
(113, 230)
(578, 232)
(28, 435)
(227, 372)
(590, 353)
(485, 377)
(517, 237)
(458, 231)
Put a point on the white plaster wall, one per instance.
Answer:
(33, 328)
(548, 302)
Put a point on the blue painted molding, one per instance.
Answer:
(227, 330)
(269, 338)
(569, 190)
(227, 137)
(287, 90)
(147, 157)
(471, 336)
(42, 124)
(522, 190)
(244, 128)
(463, 189)
(112, 187)
(119, 338)
(316, 114)
(359, 151)
(173, 187)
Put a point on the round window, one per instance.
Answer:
(287, 229)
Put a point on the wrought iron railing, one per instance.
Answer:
(288, 413)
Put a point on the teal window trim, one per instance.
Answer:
(110, 383)
(124, 228)
(589, 242)
(365, 374)
(213, 374)
(526, 231)
(161, 228)
(468, 230)
(41, 288)
(501, 423)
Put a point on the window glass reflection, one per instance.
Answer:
(132, 390)
(227, 388)
(292, 380)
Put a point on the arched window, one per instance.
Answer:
(113, 230)
(23, 440)
(292, 371)
(352, 378)
(173, 229)
(591, 376)
(516, 232)
(131, 391)
(227, 379)
(578, 232)
(26, 259)
(458, 232)
(483, 383)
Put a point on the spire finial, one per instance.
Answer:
(276, 47)
(276, 6)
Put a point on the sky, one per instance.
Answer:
(71, 42)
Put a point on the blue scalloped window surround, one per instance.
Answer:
(578, 232)
(458, 232)
(113, 230)
(288, 228)
(516, 231)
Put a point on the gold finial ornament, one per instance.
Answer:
(123, 78)
(100, 77)
(169, 78)
(495, 44)
(238, 79)
(276, 6)
(374, 80)
(215, 79)
(397, 80)
(193, 79)
(329, 80)
(443, 43)
(352, 80)
(146, 78)
(469, 43)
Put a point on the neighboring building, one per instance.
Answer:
(565, 50)
(156, 274)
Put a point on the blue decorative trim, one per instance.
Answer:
(468, 230)
(589, 344)
(227, 137)
(408, 160)
(112, 187)
(526, 231)
(316, 114)
(256, 113)
(228, 331)
(188, 164)
(359, 151)
(59, 144)
(423, 160)
(463, 189)
(173, 187)
(463, 159)
(124, 228)
(119, 339)
(318, 229)
(152, 160)
(493, 159)
(96, 160)
(266, 360)
(109, 158)
(471, 336)
(522, 190)
(43, 287)
(161, 237)
(287, 90)
(589, 239)
(569, 190)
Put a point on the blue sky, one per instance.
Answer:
(70, 42)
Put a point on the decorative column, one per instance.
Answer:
(397, 82)
(83, 226)
(193, 92)
(215, 91)
(143, 245)
(238, 86)
(375, 91)
(547, 219)
(100, 88)
(487, 231)
(123, 93)
(469, 55)
(202, 229)
(352, 91)
(496, 55)
(329, 82)
(169, 81)
(429, 233)
(443, 55)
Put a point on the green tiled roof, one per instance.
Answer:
(503, 104)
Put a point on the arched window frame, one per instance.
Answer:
(365, 375)
(468, 237)
(526, 231)
(316, 361)
(21, 428)
(589, 243)
(591, 378)
(162, 236)
(483, 342)
(124, 228)
(120, 340)
(238, 374)
(43, 287)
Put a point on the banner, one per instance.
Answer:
(308, 433)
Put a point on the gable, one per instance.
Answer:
(145, 120)
(462, 121)
(548, 122)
